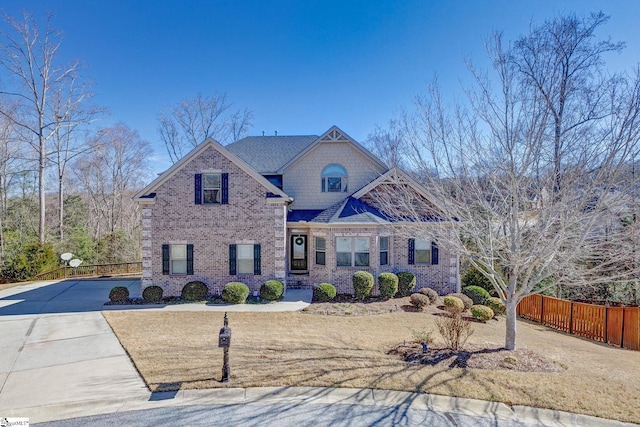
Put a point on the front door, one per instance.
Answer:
(299, 252)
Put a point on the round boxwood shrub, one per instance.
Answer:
(194, 291)
(430, 293)
(496, 304)
(119, 294)
(477, 294)
(152, 293)
(453, 304)
(235, 293)
(473, 277)
(406, 283)
(481, 312)
(419, 301)
(324, 292)
(362, 284)
(272, 290)
(388, 284)
(468, 302)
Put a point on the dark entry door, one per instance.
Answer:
(299, 252)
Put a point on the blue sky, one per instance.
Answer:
(300, 66)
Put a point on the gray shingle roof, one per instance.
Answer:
(267, 154)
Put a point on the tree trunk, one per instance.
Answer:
(61, 206)
(510, 336)
(41, 189)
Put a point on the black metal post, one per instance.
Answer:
(226, 371)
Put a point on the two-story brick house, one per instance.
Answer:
(295, 208)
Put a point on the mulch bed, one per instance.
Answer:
(474, 357)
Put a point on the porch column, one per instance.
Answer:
(280, 244)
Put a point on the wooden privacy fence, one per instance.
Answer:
(619, 326)
(91, 270)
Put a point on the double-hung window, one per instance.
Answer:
(384, 250)
(352, 251)
(177, 259)
(321, 251)
(244, 259)
(423, 251)
(211, 188)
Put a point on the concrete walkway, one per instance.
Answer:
(59, 359)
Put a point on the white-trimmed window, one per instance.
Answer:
(321, 250)
(352, 251)
(334, 178)
(423, 251)
(384, 250)
(245, 259)
(177, 259)
(211, 188)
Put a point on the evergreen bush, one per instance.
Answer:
(235, 293)
(406, 283)
(194, 291)
(388, 284)
(272, 290)
(324, 292)
(481, 312)
(362, 284)
(496, 304)
(468, 302)
(119, 294)
(477, 294)
(152, 294)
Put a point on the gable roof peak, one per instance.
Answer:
(335, 134)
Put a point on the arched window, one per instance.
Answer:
(334, 178)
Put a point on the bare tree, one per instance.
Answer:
(30, 57)
(523, 206)
(388, 143)
(70, 140)
(110, 174)
(185, 125)
(11, 163)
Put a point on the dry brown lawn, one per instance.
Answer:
(178, 350)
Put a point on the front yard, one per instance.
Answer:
(175, 350)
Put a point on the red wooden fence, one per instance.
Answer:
(613, 325)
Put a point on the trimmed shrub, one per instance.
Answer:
(406, 283)
(496, 304)
(194, 291)
(271, 290)
(477, 294)
(119, 294)
(419, 301)
(324, 292)
(388, 284)
(235, 293)
(465, 300)
(473, 277)
(362, 284)
(433, 295)
(453, 304)
(152, 293)
(481, 312)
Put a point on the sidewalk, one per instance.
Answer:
(498, 413)
(59, 359)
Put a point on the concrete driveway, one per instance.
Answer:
(56, 347)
